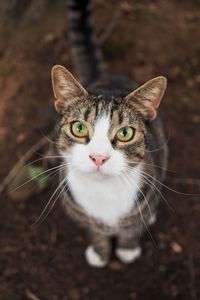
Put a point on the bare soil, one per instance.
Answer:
(47, 261)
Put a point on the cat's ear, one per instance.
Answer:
(148, 96)
(66, 88)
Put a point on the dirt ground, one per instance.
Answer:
(47, 262)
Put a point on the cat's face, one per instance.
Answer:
(99, 136)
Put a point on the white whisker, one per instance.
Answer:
(150, 183)
(34, 177)
(141, 215)
(48, 203)
(147, 164)
(136, 173)
(48, 139)
(159, 148)
(164, 185)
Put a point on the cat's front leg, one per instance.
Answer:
(128, 248)
(98, 252)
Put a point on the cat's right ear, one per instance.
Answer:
(66, 88)
(148, 97)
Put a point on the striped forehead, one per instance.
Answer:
(96, 109)
(91, 109)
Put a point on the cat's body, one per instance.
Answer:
(113, 147)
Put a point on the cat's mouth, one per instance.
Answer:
(98, 173)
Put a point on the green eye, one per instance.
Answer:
(125, 134)
(79, 129)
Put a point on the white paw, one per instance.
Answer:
(128, 255)
(152, 219)
(93, 258)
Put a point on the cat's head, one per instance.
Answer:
(102, 136)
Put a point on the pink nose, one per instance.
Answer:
(99, 159)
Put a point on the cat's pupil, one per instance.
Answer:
(79, 127)
(124, 132)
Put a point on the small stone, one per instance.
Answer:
(49, 37)
(176, 247)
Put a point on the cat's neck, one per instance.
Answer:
(107, 199)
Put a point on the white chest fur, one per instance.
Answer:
(107, 199)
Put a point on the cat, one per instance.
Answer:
(112, 145)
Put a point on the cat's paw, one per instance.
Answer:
(128, 256)
(93, 258)
(152, 219)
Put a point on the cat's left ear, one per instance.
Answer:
(66, 88)
(148, 96)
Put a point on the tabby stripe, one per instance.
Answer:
(121, 117)
(86, 114)
(87, 56)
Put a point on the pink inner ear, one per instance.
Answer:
(150, 95)
(66, 87)
(59, 105)
(157, 99)
(152, 109)
(151, 114)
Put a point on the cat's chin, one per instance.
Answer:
(97, 174)
(100, 174)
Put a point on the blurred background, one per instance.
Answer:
(140, 39)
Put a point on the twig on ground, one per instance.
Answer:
(30, 295)
(14, 171)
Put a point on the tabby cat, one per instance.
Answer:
(112, 144)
